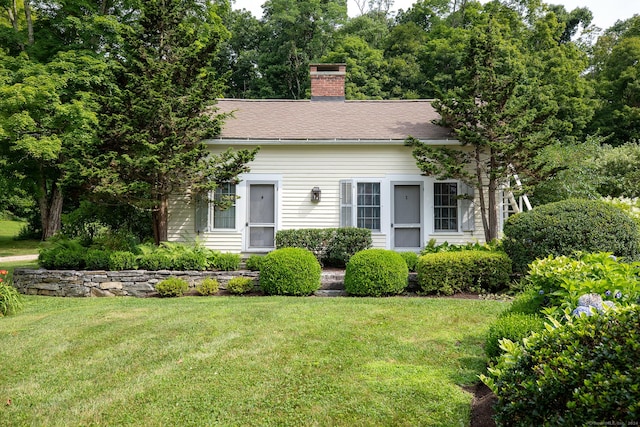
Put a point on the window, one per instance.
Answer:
(368, 205)
(225, 218)
(445, 195)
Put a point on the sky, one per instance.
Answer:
(605, 12)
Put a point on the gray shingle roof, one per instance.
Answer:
(330, 120)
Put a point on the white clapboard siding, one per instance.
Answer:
(299, 168)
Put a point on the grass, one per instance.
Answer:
(11, 247)
(232, 361)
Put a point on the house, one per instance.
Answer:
(328, 162)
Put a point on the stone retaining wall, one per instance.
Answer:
(141, 283)
(137, 283)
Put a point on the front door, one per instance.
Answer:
(406, 221)
(261, 227)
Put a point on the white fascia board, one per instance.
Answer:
(253, 142)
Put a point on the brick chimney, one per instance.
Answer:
(327, 81)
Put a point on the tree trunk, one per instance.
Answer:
(50, 210)
(483, 201)
(493, 201)
(160, 218)
(27, 15)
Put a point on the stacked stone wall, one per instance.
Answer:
(137, 283)
(141, 283)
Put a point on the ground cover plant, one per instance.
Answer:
(242, 361)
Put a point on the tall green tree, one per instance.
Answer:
(158, 109)
(616, 73)
(505, 106)
(296, 33)
(47, 124)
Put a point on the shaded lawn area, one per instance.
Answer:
(11, 247)
(242, 361)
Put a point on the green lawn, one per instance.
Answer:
(10, 247)
(242, 361)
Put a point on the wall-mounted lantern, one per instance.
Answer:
(315, 194)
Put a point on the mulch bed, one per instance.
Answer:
(482, 405)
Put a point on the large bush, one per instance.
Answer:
(290, 271)
(584, 372)
(331, 246)
(564, 227)
(376, 272)
(447, 273)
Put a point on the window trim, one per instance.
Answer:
(350, 203)
(212, 209)
(457, 207)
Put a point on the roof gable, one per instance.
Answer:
(325, 120)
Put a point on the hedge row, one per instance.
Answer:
(446, 273)
(330, 246)
(70, 255)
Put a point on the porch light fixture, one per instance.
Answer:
(315, 194)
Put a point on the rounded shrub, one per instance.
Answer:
(582, 372)
(240, 285)
(290, 271)
(513, 326)
(376, 272)
(172, 287)
(565, 227)
(208, 286)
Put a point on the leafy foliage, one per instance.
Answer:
(447, 273)
(514, 327)
(411, 258)
(564, 227)
(226, 261)
(172, 287)
(504, 104)
(563, 280)
(10, 299)
(254, 262)
(290, 271)
(581, 372)
(331, 246)
(240, 285)
(376, 272)
(122, 260)
(208, 286)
